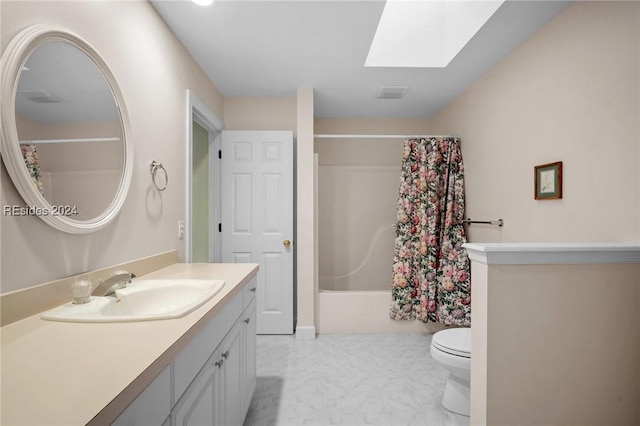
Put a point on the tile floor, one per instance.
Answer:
(349, 380)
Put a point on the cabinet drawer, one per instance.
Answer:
(249, 291)
(191, 359)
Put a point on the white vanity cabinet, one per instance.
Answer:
(249, 351)
(231, 366)
(212, 379)
(198, 404)
(152, 406)
(213, 398)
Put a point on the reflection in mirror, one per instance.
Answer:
(69, 130)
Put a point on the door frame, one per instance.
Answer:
(199, 112)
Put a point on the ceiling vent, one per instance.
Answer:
(391, 92)
(40, 96)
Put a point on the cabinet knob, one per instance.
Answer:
(225, 355)
(286, 243)
(219, 363)
(247, 321)
(253, 289)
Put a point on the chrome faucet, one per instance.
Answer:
(115, 282)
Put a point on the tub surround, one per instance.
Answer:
(101, 367)
(561, 340)
(356, 312)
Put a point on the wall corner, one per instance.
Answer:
(305, 207)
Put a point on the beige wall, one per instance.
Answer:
(306, 273)
(154, 72)
(260, 114)
(561, 347)
(373, 126)
(556, 344)
(381, 152)
(570, 93)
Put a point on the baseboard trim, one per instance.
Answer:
(305, 332)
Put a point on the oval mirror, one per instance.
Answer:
(64, 142)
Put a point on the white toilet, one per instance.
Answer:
(452, 349)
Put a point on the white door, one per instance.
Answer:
(257, 218)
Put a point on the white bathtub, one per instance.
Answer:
(341, 312)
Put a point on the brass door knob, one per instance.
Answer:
(286, 243)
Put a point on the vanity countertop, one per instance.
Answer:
(62, 373)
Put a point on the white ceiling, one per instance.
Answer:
(60, 84)
(270, 48)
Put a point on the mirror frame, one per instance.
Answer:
(15, 56)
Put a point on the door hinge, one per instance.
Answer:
(219, 227)
(220, 154)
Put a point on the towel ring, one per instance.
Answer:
(155, 166)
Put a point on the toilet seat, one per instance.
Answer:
(454, 341)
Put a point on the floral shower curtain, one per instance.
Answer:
(431, 271)
(31, 161)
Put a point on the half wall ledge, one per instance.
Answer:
(554, 253)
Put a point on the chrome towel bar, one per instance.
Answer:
(498, 222)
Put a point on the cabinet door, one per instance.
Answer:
(198, 405)
(191, 359)
(249, 355)
(232, 381)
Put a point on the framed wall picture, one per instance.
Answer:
(548, 181)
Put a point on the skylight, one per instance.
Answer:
(426, 33)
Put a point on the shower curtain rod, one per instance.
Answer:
(360, 136)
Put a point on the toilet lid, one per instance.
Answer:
(455, 341)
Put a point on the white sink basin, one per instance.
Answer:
(142, 300)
